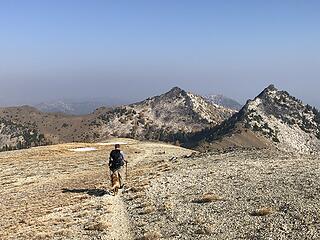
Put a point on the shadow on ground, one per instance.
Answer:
(92, 192)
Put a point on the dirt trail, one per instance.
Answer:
(144, 156)
(121, 226)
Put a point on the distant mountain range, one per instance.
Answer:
(73, 107)
(224, 101)
(274, 119)
(176, 112)
(68, 107)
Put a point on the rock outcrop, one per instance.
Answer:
(275, 118)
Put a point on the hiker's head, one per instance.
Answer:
(117, 146)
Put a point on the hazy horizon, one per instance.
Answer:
(132, 50)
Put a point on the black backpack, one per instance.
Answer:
(116, 159)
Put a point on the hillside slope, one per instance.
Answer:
(273, 118)
(17, 136)
(54, 127)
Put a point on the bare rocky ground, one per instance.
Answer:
(172, 193)
(238, 195)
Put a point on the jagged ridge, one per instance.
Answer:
(276, 115)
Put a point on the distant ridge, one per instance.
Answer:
(163, 117)
(224, 101)
(273, 119)
(73, 107)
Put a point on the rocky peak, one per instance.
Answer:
(283, 118)
(175, 92)
(275, 118)
(268, 91)
(278, 103)
(271, 87)
(160, 117)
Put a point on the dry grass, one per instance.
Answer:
(166, 170)
(151, 235)
(198, 220)
(137, 189)
(207, 198)
(160, 153)
(262, 211)
(205, 230)
(144, 183)
(43, 235)
(139, 195)
(64, 232)
(98, 226)
(147, 209)
(168, 206)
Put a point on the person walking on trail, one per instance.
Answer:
(116, 163)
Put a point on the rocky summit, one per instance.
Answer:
(274, 118)
(161, 117)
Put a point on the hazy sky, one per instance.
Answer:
(135, 49)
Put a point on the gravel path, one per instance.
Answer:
(121, 228)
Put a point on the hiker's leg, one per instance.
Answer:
(118, 173)
(122, 177)
(110, 174)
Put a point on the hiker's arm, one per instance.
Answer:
(123, 157)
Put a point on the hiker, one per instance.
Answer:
(116, 163)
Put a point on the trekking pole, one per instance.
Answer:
(126, 170)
